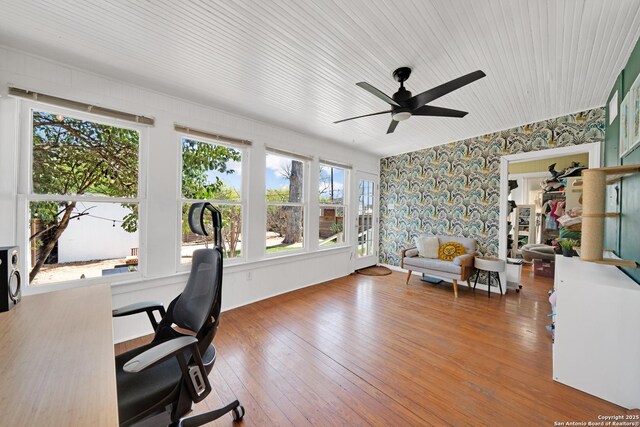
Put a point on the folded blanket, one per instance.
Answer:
(566, 220)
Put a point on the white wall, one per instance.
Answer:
(93, 238)
(162, 278)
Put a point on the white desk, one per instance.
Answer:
(57, 360)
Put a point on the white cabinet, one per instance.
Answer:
(597, 331)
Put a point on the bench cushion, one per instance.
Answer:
(432, 264)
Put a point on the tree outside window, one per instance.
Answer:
(84, 198)
(331, 192)
(212, 172)
(284, 178)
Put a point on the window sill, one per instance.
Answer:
(276, 259)
(136, 282)
(134, 277)
(333, 247)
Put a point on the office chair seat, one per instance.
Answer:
(152, 387)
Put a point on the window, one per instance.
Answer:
(213, 173)
(284, 179)
(83, 197)
(331, 194)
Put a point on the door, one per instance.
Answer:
(366, 221)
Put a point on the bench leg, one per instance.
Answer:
(455, 287)
(408, 277)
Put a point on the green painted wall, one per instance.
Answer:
(612, 134)
(611, 157)
(628, 246)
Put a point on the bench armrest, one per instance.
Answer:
(409, 252)
(464, 260)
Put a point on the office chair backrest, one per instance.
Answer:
(197, 301)
(197, 308)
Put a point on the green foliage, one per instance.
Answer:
(336, 228)
(277, 195)
(46, 211)
(72, 156)
(130, 220)
(569, 243)
(199, 159)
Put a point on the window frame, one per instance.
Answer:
(344, 205)
(244, 187)
(304, 204)
(25, 193)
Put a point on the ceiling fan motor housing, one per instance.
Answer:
(402, 74)
(402, 97)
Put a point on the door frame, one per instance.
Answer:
(366, 261)
(593, 149)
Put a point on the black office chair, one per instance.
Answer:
(159, 382)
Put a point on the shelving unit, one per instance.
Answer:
(524, 229)
(594, 183)
(549, 234)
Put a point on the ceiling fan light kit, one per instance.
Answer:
(404, 105)
(399, 116)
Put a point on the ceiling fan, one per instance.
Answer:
(403, 105)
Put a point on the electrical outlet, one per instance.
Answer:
(249, 276)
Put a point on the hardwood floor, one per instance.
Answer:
(363, 350)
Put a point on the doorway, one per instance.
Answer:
(366, 221)
(531, 230)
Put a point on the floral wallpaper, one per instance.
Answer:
(455, 188)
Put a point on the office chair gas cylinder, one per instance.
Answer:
(159, 382)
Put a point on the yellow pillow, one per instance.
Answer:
(448, 251)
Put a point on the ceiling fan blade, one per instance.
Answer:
(377, 92)
(432, 110)
(438, 91)
(392, 126)
(365, 115)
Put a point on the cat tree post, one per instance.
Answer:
(593, 214)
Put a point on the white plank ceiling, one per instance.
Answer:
(294, 63)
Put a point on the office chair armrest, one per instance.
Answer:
(138, 307)
(193, 370)
(158, 353)
(147, 306)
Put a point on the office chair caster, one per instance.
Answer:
(238, 413)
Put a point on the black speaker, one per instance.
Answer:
(10, 279)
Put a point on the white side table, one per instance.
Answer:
(490, 265)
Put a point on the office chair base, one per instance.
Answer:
(238, 413)
(236, 409)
